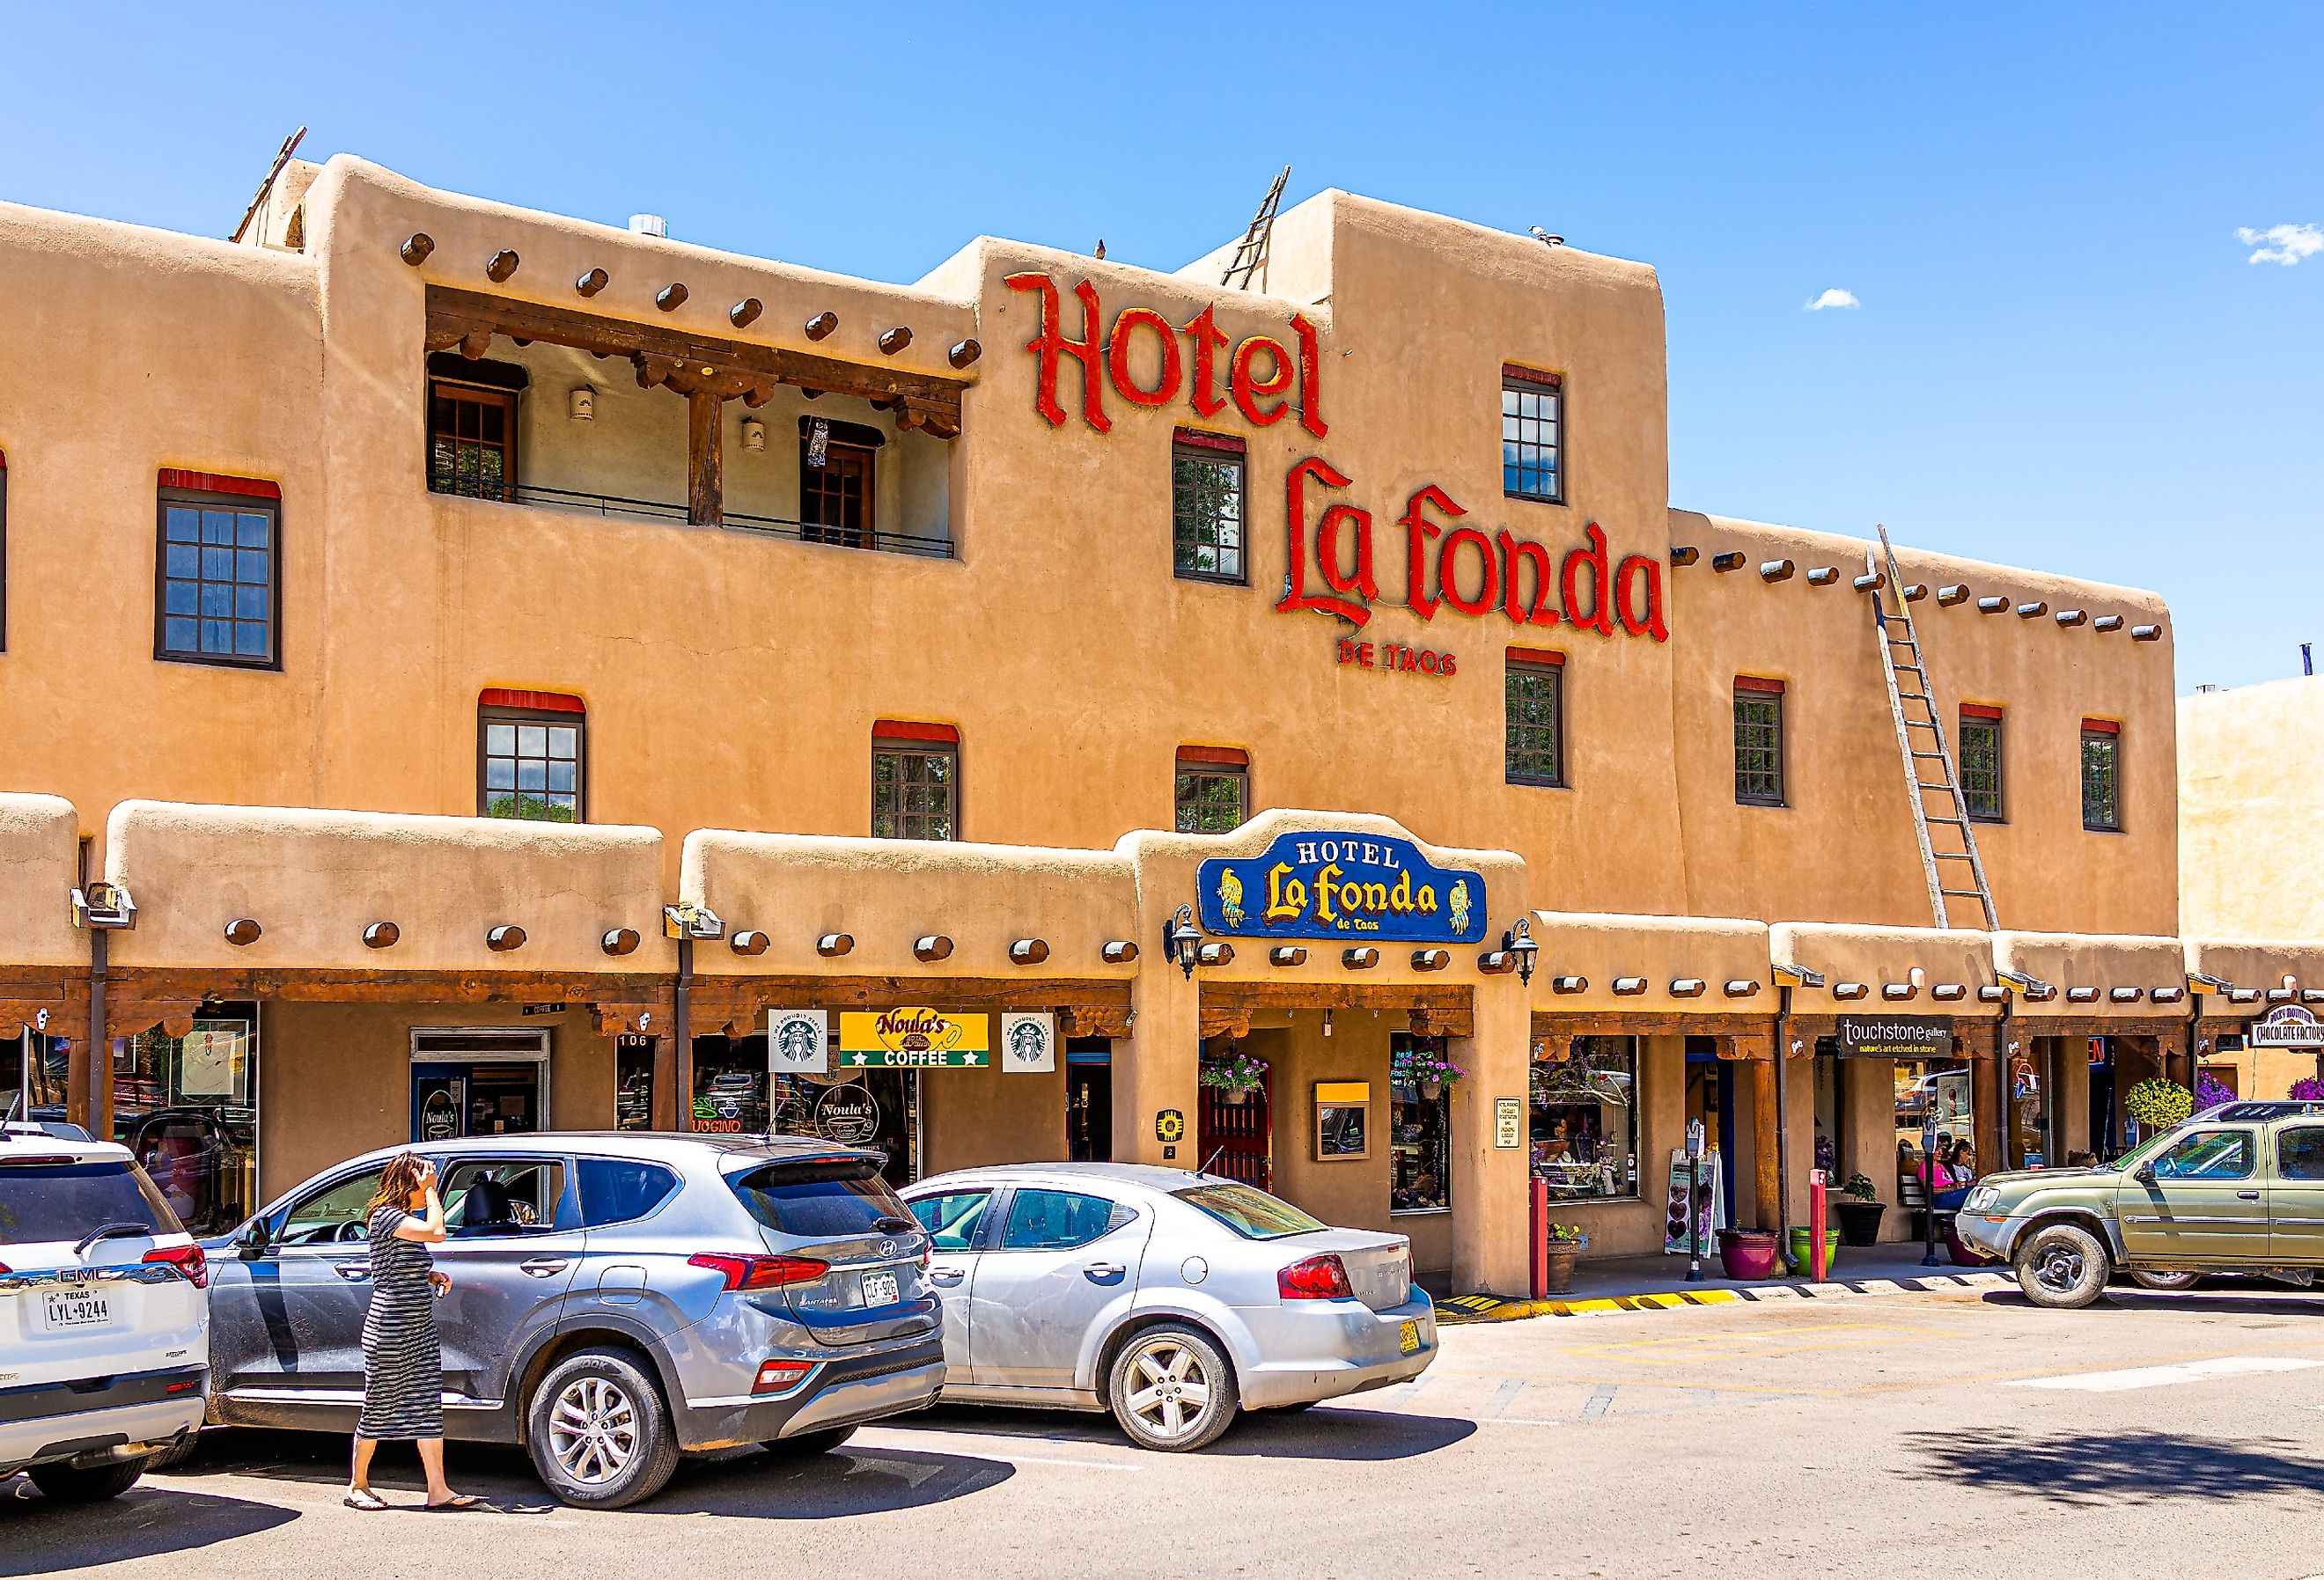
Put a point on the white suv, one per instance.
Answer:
(104, 1325)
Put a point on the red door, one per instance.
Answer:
(1237, 1139)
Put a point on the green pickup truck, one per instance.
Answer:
(2239, 1188)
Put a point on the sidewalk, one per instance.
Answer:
(1656, 1283)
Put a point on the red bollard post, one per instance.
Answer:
(1817, 1263)
(1540, 1243)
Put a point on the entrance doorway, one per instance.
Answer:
(1711, 1099)
(1236, 1138)
(478, 1081)
(1089, 1099)
(2106, 1133)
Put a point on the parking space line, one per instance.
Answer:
(2131, 1377)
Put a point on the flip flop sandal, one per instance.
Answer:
(368, 1502)
(458, 1504)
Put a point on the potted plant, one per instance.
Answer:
(1859, 1207)
(1748, 1253)
(2307, 1089)
(2157, 1103)
(1566, 1242)
(1426, 1068)
(2210, 1091)
(1803, 1249)
(1235, 1077)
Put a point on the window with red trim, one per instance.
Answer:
(1212, 792)
(914, 781)
(1208, 472)
(1533, 415)
(531, 756)
(218, 570)
(1758, 742)
(1533, 717)
(1978, 756)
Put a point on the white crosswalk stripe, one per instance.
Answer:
(2161, 1376)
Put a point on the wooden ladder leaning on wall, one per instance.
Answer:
(1947, 839)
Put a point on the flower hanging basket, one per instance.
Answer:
(2158, 1104)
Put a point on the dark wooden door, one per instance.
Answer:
(1236, 1139)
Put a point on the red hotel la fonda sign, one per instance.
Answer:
(1448, 563)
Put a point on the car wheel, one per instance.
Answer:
(68, 1484)
(809, 1443)
(1172, 1389)
(2146, 1281)
(598, 1432)
(176, 1454)
(2062, 1267)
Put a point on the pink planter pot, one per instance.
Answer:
(1749, 1254)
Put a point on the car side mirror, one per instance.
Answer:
(256, 1238)
(2145, 1173)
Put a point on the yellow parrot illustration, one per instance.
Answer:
(1230, 898)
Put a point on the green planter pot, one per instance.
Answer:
(1800, 1245)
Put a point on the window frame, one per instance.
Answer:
(1517, 380)
(1983, 716)
(2093, 731)
(1217, 449)
(864, 535)
(905, 738)
(1209, 763)
(513, 460)
(2283, 1160)
(1543, 663)
(1759, 688)
(501, 707)
(242, 496)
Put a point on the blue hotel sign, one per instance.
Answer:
(1342, 886)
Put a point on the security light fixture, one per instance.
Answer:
(2201, 983)
(1180, 939)
(686, 920)
(103, 905)
(1791, 975)
(2032, 987)
(1518, 941)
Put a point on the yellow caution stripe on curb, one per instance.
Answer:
(1490, 1309)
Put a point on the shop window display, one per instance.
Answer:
(1420, 1126)
(1584, 1123)
(187, 1107)
(735, 1094)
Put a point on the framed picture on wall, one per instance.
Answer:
(1342, 1114)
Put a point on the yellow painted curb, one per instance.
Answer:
(1487, 1308)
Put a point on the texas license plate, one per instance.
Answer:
(1407, 1339)
(62, 1309)
(880, 1289)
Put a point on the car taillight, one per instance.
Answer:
(188, 1259)
(780, 1376)
(1318, 1278)
(761, 1272)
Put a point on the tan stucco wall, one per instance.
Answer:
(39, 853)
(969, 1118)
(2249, 799)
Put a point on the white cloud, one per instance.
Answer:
(1832, 297)
(2284, 244)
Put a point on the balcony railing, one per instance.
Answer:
(650, 510)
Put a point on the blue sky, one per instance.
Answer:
(2062, 357)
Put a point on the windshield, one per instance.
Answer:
(1252, 1214)
(50, 1201)
(823, 1198)
(2146, 1149)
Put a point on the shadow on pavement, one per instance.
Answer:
(2214, 1297)
(38, 1537)
(1330, 1432)
(2088, 1469)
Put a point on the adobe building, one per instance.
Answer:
(520, 674)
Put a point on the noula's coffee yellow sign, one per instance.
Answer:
(914, 1039)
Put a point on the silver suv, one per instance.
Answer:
(616, 1299)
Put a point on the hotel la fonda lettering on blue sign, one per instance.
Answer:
(1363, 887)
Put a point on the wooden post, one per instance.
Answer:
(705, 459)
(1767, 1126)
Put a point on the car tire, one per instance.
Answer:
(807, 1444)
(2062, 1267)
(71, 1483)
(2166, 1282)
(598, 1432)
(1171, 1389)
(177, 1454)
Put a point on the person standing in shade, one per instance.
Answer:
(403, 1359)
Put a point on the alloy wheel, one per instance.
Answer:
(593, 1430)
(1171, 1391)
(2060, 1271)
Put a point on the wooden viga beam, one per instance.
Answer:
(468, 319)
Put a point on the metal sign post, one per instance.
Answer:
(1929, 1187)
(1694, 1201)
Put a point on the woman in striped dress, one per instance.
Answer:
(404, 1361)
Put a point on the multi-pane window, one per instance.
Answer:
(217, 584)
(530, 762)
(1532, 415)
(1533, 719)
(470, 440)
(1207, 474)
(1213, 790)
(2101, 775)
(835, 481)
(916, 784)
(1981, 762)
(1420, 1125)
(1758, 742)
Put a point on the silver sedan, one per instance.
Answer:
(1173, 1299)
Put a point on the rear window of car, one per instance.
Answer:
(614, 1190)
(1252, 1214)
(45, 1201)
(822, 1198)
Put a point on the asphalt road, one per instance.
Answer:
(1959, 1434)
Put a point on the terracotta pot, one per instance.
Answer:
(1430, 1091)
(1557, 1264)
(1235, 1094)
(1748, 1253)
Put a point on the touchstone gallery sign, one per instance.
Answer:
(1364, 887)
(1451, 563)
(1897, 1036)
